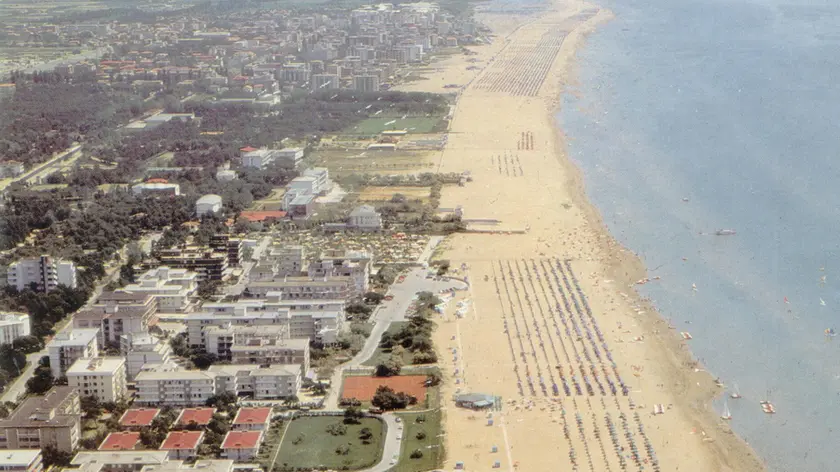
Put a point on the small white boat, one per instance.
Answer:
(727, 415)
(735, 393)
(725, 232)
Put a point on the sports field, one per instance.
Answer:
(378, 194)
(412, 124)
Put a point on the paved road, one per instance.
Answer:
(240, 285)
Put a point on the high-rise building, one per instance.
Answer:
(44, 273)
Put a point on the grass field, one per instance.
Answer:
(431, 445)
(419, 124)
(317, 448)
(356, 161)
(379, 194)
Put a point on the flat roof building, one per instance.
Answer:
(101, 377)
(12, 326)
(21, 460)
(69, 346)
(53, 419)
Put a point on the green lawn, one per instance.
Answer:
(431, 445)
(419, 124)
(381, 354)
(317, 448)
(270, 445)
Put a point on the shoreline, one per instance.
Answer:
(547, 196)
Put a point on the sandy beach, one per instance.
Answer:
(552, 305)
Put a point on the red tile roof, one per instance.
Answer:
(182, 440)
(242, 440)
(255, 216)
(139, 417)
(199, 416)
(120, 441)
(248, 149)
(252, 416)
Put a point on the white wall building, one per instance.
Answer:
(156, 188)
(21, 460)
(13, 326)
(174, 386)
(263, 383)
(142, 349)
(174, 289)
(323, 184)
(304, 185)
(101, 377)
(208, 205)
(257, 158)
(289, 157)
(45, 272)
(365, 218)
(69, 346)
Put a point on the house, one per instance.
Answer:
(101, 377)
(242, 445)
(475, 401)
(182, 444)
(120, 441)
(44, 273)
(13, 325)
(21, 460)
(196, 416)
(252, 419)
(208, 205)
(71, 345)
(256, 158)
(138, 417)
(53, 419)
(365, 218)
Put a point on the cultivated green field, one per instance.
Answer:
(431, 445)
(318, 448)
(419, 124)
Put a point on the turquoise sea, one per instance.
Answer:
(733, 106)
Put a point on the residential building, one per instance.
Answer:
(71, 345)
(174, 288)
(242, 445)
(207, 263)
(211, 465)
(50, 420)
(120, 441)
(299, 204)
(12, 326)
(252, 419)
(118, 461)
(325, 82)
(220, 339)
(173, 386)
(323, 184)
(117, 313)
(265, 351)
(304, 185)
(231, 246)
(365, 218)
(208, 205)
(21, 460)
(198, 322)
(136, 418)
(142, 349)
(196, 416)
(289, 158)
(257, 158)
(101, 377)
(42, 273)
(352, 264)
(366, 83)
(305, 288)
(182, 444)
(261, 383)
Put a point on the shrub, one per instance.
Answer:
(416, 454)
(421, 435)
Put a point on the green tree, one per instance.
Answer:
(50, 456)
(41, 382)
(353, 415)
(390, 367)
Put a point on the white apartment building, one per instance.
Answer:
(305, 288)
(117, 313)
(69, 346)
(257, 158)
(21, 460)
(265, 351)
(12, 326)
(366, 83)
(199, 321)
(45, 273)
(118, 461)
(208, 205)
(101, 377)
(263, 383)
(173, 288)
(323, 184)
(289, 157)
(142, 349)
(171, 385)
(220, 339)
(353, 264)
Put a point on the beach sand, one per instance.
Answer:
(557, 255)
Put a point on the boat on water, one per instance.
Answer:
(727, 415)
(767, 407)
(735, 393)
(725, 232)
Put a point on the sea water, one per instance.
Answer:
(693, 116)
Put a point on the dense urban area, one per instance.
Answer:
(218, 226)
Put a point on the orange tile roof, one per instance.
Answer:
(120, 441)
(199, 416)
(182, 440)
(139, 417)
(242, 440)
(252, 416)
(255, 216)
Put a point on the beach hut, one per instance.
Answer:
(497, 465)
(459, 466)
(494, 449)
